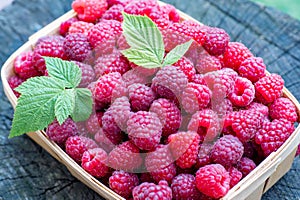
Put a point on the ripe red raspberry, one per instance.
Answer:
(24, 65)
(213, 180)
(88, 75)
(123, 183)
(64, 26)
(204, 155)
(196, 31)
(216, 41)
(89, 10)
(199, 79)
(186, 66)
(227, 150)
(144, 130)
(150, 191)
(77, 145)
(207, 63)
(140, 96)
(283, 108)
(114, 62)
(159, 163)
(77, 47)
(235, 54)
(253, 68)
(243, 92)
(259, 107)
(14, 82)
(103, 141)
(125, 156)
(159, 17)
(115, 26)
(246, 165)
(205, 123)
(235, 176)
(171, 12)
(60, 133)
(142, 70)
(110, 127)
(120, 110)
(184, 147)
(80, 27)
(134, 76)
(52, 46)
(94, 161)
(94, 122)
(114, 12)
(169, 83)
(273, 134)
(184, 187)
(269, 88)
(169, 115)
(141, 7)
(195, 97)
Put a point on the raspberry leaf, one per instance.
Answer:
(175, 54)
(83, 104)
(64, 105)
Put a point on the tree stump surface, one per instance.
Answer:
(29, 172)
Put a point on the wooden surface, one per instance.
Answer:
(28, 172)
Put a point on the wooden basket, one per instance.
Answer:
(264, 176)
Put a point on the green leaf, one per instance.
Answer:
(143, 35)
(83, 104)
(141, 58)
(175, 54)
(64, 105)
(66, 71)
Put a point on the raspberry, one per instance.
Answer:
(88, 75)
(283, 108)
(115, 26)
(184, 187)
(196, 31)
(204, 155)
(159, 163)
(186, 66)
(195, 97)
(169, 83)
(184, 147)
(253, 68)
(89, 10)
(133, 76)
(94, 123)
(114, 12)
(213, 180)
(144, 129)
(216, 41)
(125, 156)
(120, 110)
(65, 26)
(80, 27)
(235, 54)
(141, 97)
(142, 70)
(243, 92)
(103, 141)
(273, 134)
(222, 107)
(77, 145)
(123, 183)
(246, 165)
(141, 7)
(77, 47)
(14, 82)
(24, 65)
(235, 176)
(171, 11)
(110, 127)
(114, 62)
(150, 191)
(94, 161)
(60, 133)
(269, 88)
(207, 63)
(259, 108)
(199, 79)
(159, 17)
(169, 115)
(227, 150)
(205, 123)
(52, 46)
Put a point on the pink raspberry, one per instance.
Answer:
(140, 96)
(199, 79)
(207, 63)
(14, 82)
(184, 187)
(88, 74)
(246, 165)
(227, 150)
(110, 127)
(142, 70)
(94, 123)
(258, 107)
(60, 133)
(123, 183)
(171, 11)
(169, 115)
(141, 7)
(80, 27)
(115, 26)
(235, 176)
(195, 97)
(64, 26)
(77, 145)
(159, 17)
(24, 65)
(77, 47)
(253, 68)
(196, 31)
(216, 41)
(120, 110)
(125, 156)
(114, 12)
(144, 130)
(186, 66)
(94, 161)
(134, 76)
(151, 191)
(283, 108)
(269, 88)
(89, 10)
(184, 147)
(221, 107)
(103, 141)
(213, 180)
(204, 155)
